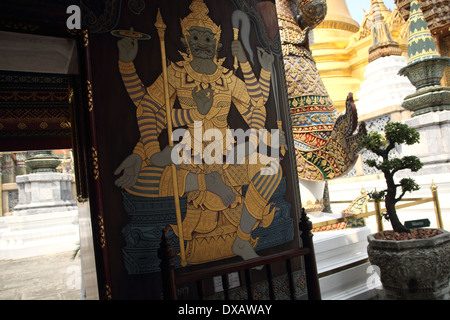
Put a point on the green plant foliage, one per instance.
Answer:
(408, 185)
(395, 133)
(377, 195)
(400, 133)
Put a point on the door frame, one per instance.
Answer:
(93, 251)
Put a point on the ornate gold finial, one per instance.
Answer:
(433, 186)
(199, 18)
(363, 190)
(159, 24)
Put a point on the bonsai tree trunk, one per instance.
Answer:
(395, 222)
(390, 202)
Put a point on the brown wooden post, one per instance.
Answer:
(312, 279)
(166, 253)
(290, 279)
(92, 178)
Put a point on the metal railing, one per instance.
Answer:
(378, 212)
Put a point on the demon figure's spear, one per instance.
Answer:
(161, 27)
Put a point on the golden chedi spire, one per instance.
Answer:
(339, 17)
(331, 38)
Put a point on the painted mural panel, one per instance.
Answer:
(219, 217)
(209, 75)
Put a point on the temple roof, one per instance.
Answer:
(435, 12)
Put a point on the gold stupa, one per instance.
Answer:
(341, 46)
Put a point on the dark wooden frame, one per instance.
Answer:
(84, 136)
(88, 177)
(172, 279)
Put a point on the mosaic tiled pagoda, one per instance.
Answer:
(425, 68)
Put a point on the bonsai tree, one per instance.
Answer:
(394, 133)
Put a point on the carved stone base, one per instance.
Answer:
(430, 99)
(413, 269)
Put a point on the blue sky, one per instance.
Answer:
(355, 8)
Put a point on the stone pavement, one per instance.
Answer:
(51, 277)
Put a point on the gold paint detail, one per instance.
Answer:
(94, 163)
(101, 231)
(90, 100)
(108, 292)
(85, 33)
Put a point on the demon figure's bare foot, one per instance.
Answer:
(245, 250)
(215, 184)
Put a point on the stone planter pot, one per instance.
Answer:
(429, 99)
(413, 269)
